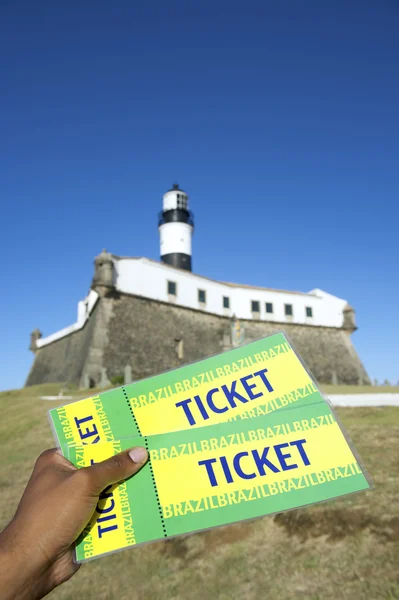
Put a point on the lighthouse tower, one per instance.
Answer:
(176, 227)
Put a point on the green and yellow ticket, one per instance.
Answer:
(210, 476)
(253, 380)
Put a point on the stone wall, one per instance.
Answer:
(143, 333)
(150, 335)
(64, 359)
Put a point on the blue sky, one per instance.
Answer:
(280, 119)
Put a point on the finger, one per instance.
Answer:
(115, 469)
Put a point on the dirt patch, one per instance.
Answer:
(333, 524)
(193, 546)
(337, 524)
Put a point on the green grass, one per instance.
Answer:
(347, 549)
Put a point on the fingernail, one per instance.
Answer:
(138, 455)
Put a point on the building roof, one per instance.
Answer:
(265, 289)
(175, 188)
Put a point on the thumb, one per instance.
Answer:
(115, 469)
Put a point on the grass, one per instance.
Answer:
(347, 548)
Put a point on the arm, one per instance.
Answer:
(36, 548)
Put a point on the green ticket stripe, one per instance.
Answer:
(257, 379)
(221, 474)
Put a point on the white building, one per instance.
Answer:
(172, 281)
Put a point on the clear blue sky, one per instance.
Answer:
(280, 119)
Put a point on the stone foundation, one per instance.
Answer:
(152, 337)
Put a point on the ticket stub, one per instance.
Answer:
(253, 380)
(210, 476)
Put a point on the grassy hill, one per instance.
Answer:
(347, 548)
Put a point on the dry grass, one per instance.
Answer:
(347, 549)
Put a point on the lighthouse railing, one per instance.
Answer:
(176, 216)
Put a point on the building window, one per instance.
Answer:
(202, 296)
(226, 302)
(255, 306)
(172, 288)
(309, 311)
(288, 310)
(181, 201)
(269, 307)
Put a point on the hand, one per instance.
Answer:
(36, 548)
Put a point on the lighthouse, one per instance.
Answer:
(176, 226)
